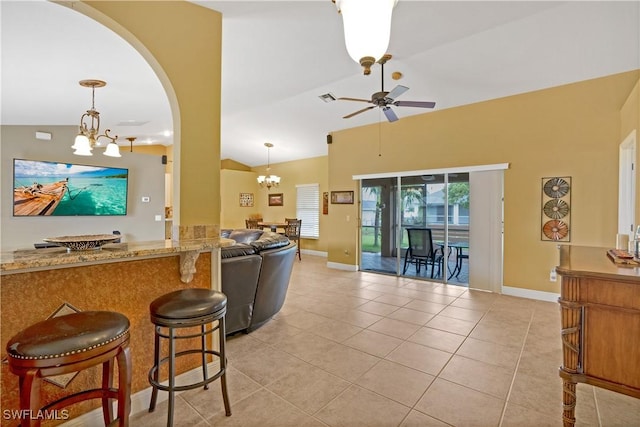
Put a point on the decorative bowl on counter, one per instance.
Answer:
(84, 242)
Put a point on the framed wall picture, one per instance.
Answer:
(325, 203)
(246, 200)
(276, 199)
(342, 197)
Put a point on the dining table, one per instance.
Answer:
(273, 225)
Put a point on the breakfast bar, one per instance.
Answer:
(122, 277)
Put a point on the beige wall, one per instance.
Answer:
(234, 182)
(630, 114)
(307, 171)
(630, 120)
(146, 179)
(572, 130)
(232, 164)
(183, 43)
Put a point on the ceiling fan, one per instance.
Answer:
(385, 100)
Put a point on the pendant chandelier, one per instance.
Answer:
(131, 139)
(367, 29)
(89, 133)
(268, 180)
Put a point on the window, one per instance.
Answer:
(308, 209)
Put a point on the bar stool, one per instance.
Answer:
(71, 343)
(188, 308)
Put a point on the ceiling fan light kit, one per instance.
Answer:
(367, 29)
(88, 137)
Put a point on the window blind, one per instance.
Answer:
(308, 209)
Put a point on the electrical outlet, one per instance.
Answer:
(553, 276)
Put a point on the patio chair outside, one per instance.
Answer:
(422, 251)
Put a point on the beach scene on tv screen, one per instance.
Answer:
(66, 189)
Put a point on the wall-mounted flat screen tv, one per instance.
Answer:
(67, 189)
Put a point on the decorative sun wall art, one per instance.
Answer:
(556, 209)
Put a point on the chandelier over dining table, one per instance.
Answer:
(268, 180)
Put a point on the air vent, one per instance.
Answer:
(328, 97)
(45, 136)
(132, 123)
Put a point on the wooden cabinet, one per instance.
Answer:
(600, 307)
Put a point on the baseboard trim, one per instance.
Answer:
(140, 400)
(340, 266)
(312, 252)
(530, 293)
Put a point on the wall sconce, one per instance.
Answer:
(88, 136)
(367, 29)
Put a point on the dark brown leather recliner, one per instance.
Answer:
(272, 283)
(255, 277)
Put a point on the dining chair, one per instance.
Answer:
(292, 231)
(422, 251)
(252, 223)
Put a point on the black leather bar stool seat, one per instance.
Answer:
(71, 343)
(188, 308)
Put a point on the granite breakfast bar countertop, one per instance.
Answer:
(19, 261)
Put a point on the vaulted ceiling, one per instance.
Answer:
(279, 57)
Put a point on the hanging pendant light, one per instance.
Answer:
(367, 29)
(131, 139)
(89, 132)
(268, 180)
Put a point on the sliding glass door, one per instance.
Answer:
(377, 232)
(416, 226)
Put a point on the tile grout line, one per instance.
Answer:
(515, 371)
(597, 407)
(437, 376)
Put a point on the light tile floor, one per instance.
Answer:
(361, 349)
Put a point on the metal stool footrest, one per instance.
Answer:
(202, 383)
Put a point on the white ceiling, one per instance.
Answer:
(278, 57)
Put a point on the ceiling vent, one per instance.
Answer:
(328, 97)
(132, 123)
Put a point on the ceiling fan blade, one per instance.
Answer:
(391, 115)
(421, 104)
(396, 92)
(354, 99)
(358, 112)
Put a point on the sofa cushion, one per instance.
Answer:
(245, 236)
(239, 249)
(270, 240)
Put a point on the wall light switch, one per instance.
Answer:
(145, 199)
(158, 217)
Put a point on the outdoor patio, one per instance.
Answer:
(374, 262)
